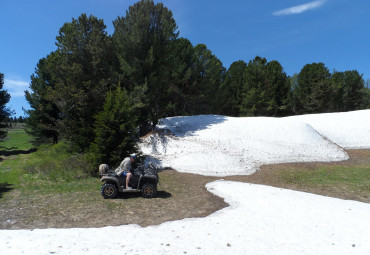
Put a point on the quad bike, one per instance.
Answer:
(144, 180)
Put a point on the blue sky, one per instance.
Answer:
(294, 32)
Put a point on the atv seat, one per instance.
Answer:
(110, 173)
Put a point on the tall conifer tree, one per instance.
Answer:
(43, 115)
(144, 40)
(313, 91)
(266, 89)
(86, 62)
(115, 129)
(4, 111)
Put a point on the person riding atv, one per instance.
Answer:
(143, 179)
(125, 168)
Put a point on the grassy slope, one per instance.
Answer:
(17, 140)
(50, 169)
(12, 151)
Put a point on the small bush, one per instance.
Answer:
(57, 163)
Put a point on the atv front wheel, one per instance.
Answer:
(148, 190)
(109, 190)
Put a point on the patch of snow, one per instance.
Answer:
(350, 130)
(220, 146)
(259, 220)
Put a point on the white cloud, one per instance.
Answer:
(300, 8)
(15, 88)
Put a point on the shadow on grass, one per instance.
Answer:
(5, 187)
(11, 152)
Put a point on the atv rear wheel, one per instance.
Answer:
(148, 190)
(109, 190)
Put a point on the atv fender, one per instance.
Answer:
(110, 179)
(150, 177)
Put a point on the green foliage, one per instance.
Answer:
(196, 78)
(143, 39)
(367, 99)
(349, 91)
(84, 72)
(209, 75)
(181, 89)
(115, 129)
(231, 89)
(69, 86)
(57, 163)
(265, 90)
(51, 169)
(43, 117)
(4, 111)
(314, 90)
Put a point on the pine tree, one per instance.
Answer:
(314, 89)
(209, 75)
(4, 111)
(354, 91)
(144, 40)
(231, 89)
(180, 93)
(43, 115)
(84, 72)
(115, 129)
(266, 89)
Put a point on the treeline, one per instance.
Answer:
(261, 88)
(16, 119)
(95, 89)
(11, 121)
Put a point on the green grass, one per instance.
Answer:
(332, 175)
(32, 187)
(350, 181)
(17, 139)
(12, 159)
(49, 170)
(53, 169)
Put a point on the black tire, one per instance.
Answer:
(148, 190)
(109, 190)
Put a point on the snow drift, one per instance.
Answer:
(220, 145)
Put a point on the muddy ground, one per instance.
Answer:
(179, 196)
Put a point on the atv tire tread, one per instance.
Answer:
(148, 190)
(109, 191)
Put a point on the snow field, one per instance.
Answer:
(220, 146)
(350, 130)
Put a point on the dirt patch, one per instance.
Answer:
(179, 196)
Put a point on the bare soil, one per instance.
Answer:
(179, 196)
